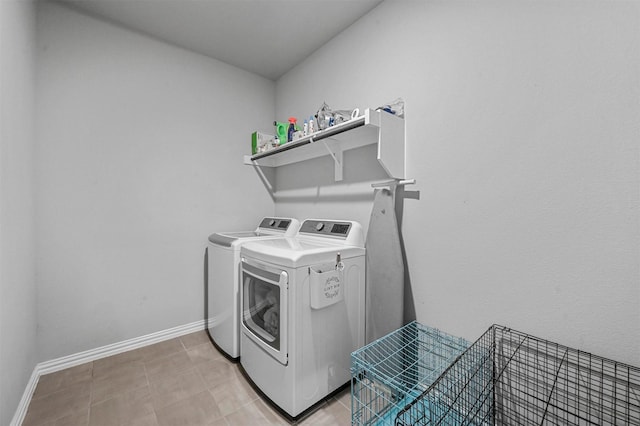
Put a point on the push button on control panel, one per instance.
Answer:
(319, 226)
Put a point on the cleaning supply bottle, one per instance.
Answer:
(281, 132)
(305, 128)
(311, 125)
(292, 128)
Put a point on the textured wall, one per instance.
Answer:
(139, 159)
(17, 227)
(522, 132)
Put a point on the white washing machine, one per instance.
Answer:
(303, 312)
(223, 303)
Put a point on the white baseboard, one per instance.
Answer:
(21, 411)
(68, 361)
(116, 348)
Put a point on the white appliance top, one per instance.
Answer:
(317, 241)
(269, 227)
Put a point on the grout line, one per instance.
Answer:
(340, 402)
(91, 394)
(89, 414)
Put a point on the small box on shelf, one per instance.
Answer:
(261, 142)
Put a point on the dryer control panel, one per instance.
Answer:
(326, 227)
(349, 231)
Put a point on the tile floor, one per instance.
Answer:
(179, 382)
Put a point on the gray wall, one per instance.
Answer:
(17, 238)
(139, 159)
(522, 126)
(522, 133)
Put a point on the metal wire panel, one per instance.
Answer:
(510, 378)
(392, 371)
(541, 382)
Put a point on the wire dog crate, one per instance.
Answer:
(511, 378)
(392, 371)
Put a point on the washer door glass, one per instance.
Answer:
(264, 308)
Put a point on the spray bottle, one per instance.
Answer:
(292, 128)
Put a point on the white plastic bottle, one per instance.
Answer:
(311, 125)
(305, 128)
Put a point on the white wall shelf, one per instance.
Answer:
(373, 127)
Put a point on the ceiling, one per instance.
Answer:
(266, 37)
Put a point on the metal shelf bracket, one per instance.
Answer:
(336, 154)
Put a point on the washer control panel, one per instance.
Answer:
(275, 223)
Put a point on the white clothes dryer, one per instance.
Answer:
(303, 302)
(223, 304)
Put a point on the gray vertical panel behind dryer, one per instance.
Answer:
(384, 269)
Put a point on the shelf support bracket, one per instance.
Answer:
(263, 178)
(336, 154)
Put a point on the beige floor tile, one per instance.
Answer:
(161, 349)
(217, 372)
(175, 388)
(322, 417)
(132, 368)
(40, 422)
(197, 410)
(147, 420)
(195, 339)
(242, 381)
(203, 353)
(167, 366)
(233, 395)
(120, 379)
(269, 413)
(309, 413)
(105, 365)
(71, 400)
(341, 413)
(77, 419)
(122, 409)
(344, 397)
(249, 414)
(61, 379)
(219, 422)
(164, 385)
